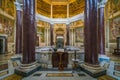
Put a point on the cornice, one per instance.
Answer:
(60, 20)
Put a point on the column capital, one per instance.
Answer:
(102, 3)
(19, 6)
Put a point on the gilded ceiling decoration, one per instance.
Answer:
(59, 11)
(43, 8)
(59, 7)
(76, 7)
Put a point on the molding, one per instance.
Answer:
(6, 15)
(4, 35)
(43, 18)
(60, 20)
(77, 17)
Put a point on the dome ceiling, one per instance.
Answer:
(60, 8)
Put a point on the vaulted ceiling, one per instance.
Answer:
(60, 8)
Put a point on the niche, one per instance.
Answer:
(3, 44)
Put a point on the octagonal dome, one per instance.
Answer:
(60, 8)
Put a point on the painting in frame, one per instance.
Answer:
(79, 34)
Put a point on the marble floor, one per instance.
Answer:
(44, 77)
(6, 58)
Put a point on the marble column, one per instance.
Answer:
(47, 37)
(18, 46)
(91, 65)
(91, 32)
(29, 64)
(29, 31)
(67, 35)
(45, 32)
(51, 35)
(101, 28)
(72, 37)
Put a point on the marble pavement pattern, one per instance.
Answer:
(43, 76)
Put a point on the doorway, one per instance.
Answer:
(3, 44)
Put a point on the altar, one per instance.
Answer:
(60, 58)
(48, 58)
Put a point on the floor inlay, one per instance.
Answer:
(59, 75)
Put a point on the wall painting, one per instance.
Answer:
(79, 34)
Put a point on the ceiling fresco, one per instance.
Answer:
(43, 8)
(60, 11)
(76, 8)
(59, 7)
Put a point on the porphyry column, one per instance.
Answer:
(29, 64)
(29, 31)
(51, 35)
(91, 65)
(67, 35)
(18, 46)
(101, 28)
(91, 32)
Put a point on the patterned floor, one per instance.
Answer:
(41, 75)
(75, 76)
(59, 75)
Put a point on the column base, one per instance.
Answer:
(93, 70)
(27, 69)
